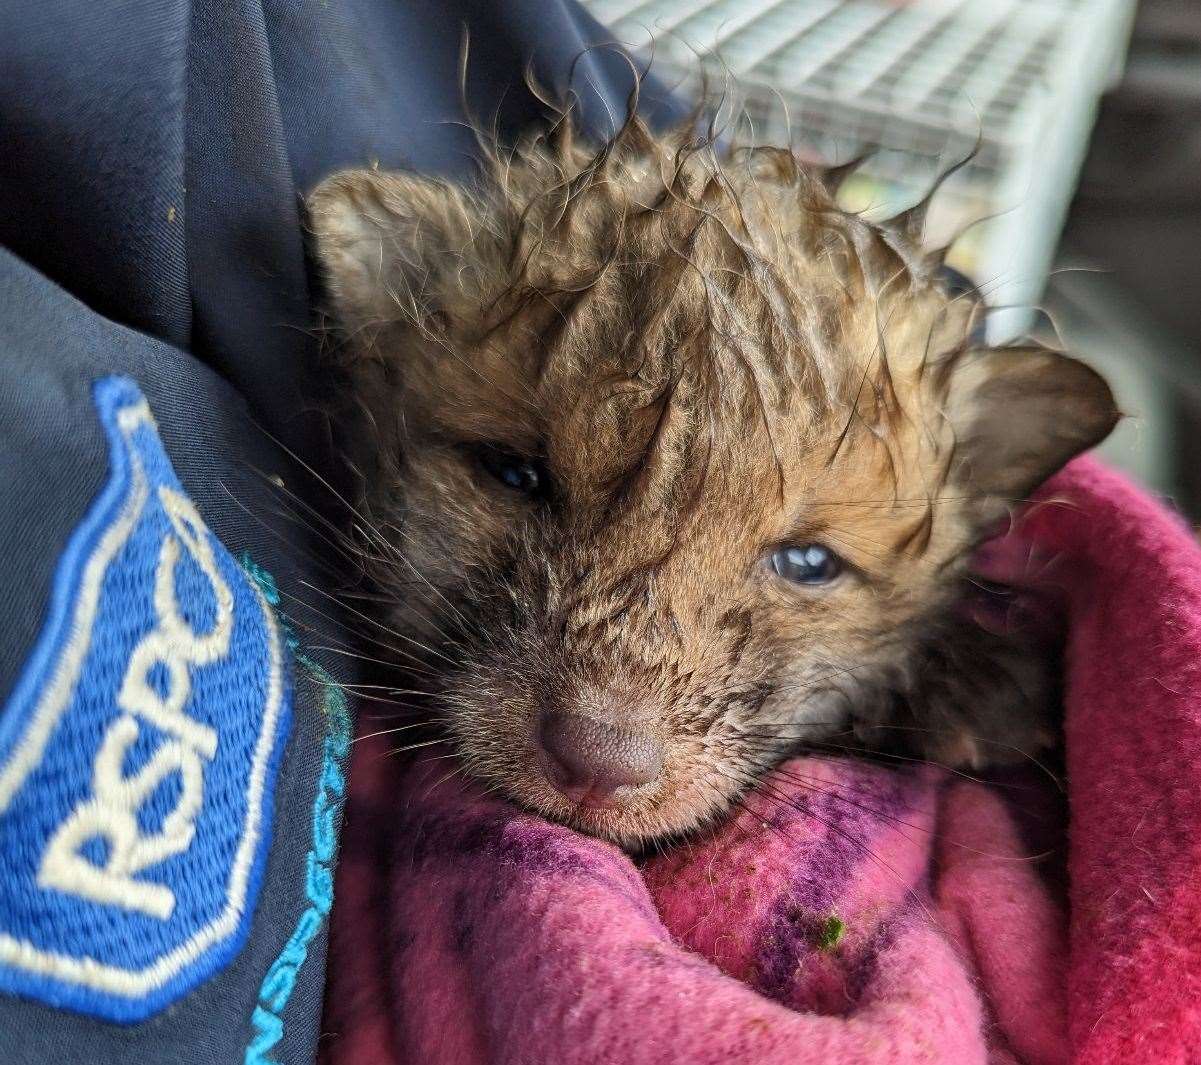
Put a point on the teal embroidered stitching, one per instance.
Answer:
(280, 981)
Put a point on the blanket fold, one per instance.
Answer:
(851, 913)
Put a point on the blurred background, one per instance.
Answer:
(1079, 213)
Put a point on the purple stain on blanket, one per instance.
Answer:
(845, 823)
(864, 965)
(516, 844)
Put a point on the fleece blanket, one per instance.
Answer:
(852, 913)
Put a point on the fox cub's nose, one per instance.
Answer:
(590, 760)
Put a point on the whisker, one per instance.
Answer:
(411, 747)
(389, 731)
(385, 628)
(416, 663)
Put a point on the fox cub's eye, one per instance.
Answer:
(806, 564)
(527, 476)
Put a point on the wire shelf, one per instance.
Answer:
(920, 84)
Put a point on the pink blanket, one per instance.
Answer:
(854, 914)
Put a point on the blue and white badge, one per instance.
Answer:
(138, 749)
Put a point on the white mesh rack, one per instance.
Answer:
(918, 83)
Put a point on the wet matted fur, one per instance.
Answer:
(705, 359)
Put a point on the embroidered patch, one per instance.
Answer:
(138, 749)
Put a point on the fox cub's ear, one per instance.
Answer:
(392, 245)
(1019, 414)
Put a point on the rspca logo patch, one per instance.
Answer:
(138, 749)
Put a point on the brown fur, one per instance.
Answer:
(711, 359)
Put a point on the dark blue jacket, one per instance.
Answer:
(171, 741)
